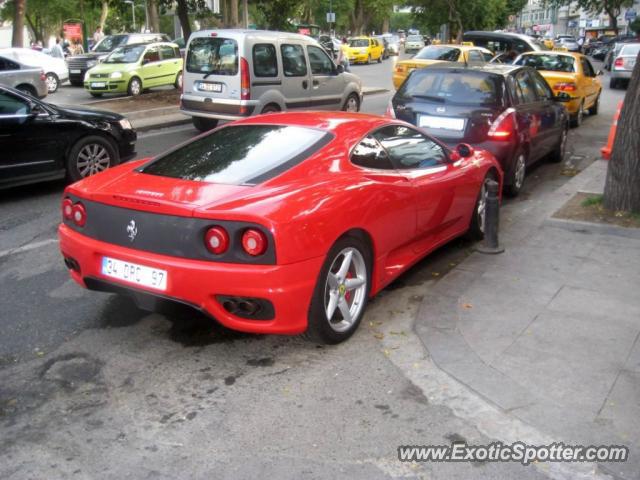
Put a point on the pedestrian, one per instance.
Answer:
(97, 35)
(343, 54)
(76, 48)
(57, 51)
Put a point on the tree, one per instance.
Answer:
(622, 187)
(17, 38)
(154, 17)
(183, 9)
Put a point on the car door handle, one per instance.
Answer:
(305, 84)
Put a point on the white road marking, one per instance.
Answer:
(27, 247)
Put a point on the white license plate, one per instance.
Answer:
(75, 71)
(134, 273)
(211, 87)
(444, 123)
(98, 84)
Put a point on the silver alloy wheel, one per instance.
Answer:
(482, 203)
(520, 167)
(52, 83)
(352, 104)
(92, 158)
(345, 289)
(135, 87)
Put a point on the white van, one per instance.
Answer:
(231, 74)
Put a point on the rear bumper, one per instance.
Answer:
(197, 283)
(361, 58)
(618, 74)
(221, 109)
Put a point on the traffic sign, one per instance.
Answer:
(630, 14)
(331, 17)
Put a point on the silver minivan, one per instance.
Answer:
(232, 74)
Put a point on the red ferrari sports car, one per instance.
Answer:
(281, 223)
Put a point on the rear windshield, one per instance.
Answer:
(213, 56)
(630, 49)
(453, 87)
(359, 42)
(434, 52)
(107, 44)
(414, 38)
(241, 154)
(552, 63)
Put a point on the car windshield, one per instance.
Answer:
(453, 87)
(130, 54)
(414, 38)
(359, 42)
(630, 49)
(213, 56)
(240, 155)
(437, 52)
(552, 63)
(109, 43)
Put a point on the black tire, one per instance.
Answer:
(557, 155)
(369, 60)
(95, 94)
(577, 118)
(53, 82)
(319, 328)
(513, 186)
(204, 124)
(593, 109)
(135, 87)
(613, 83)
(270, 109)
(178, 83)
(84, 146)
(380, 59)
(476, 225)
(28, 89)
(350, 101)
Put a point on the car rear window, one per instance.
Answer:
(435, 52)
(240, 154)
(359, 42)
(630, 49)
(414, 38)
(454, 87)
(553, 63)
(213, 56)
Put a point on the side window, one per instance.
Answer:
(10, 105)
(265, 62)
(167, 52)
(6, 64)
(151, 55)
(520, 46)
(475, 56)
(176, 52)
(525, 91)
(293, 61)
(487, 56)
(542, 87)
(410, 149)
(370, 154)
(587, 68)
(321, 64)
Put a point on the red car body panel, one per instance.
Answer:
(403, 214)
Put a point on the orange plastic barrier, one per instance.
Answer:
(606, 150)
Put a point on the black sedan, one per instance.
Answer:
(508, 110)
(40, 141)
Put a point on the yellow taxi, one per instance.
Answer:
(364, 50)
(571, 73)
(439, 53)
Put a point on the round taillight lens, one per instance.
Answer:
(79, 214)
(216, 240)
(254, 242)
(67, 209)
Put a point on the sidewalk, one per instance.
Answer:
(549, 330)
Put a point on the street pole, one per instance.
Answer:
(331, 17)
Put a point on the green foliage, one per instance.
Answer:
(635, 26)
(594, 200)
(275, 14)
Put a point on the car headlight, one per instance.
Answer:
(116, 75)
(125, 124)
(91, 63)
(86, 76)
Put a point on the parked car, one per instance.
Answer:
(571, 73)
(27, 79)
(393, 43)
(434, 54)
(231, 74)
(568, 42)
(364, 50)
(623, 64)
(501, 42)
(55, 69)
(134, 68)
(414, 43)
(48, 141)
(614, 51)
(507, 110)
(280, 224)
(79, 64)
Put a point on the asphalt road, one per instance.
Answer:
(80, 369)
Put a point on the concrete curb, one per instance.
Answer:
(599, 228)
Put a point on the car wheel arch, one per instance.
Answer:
(363, 235)
(87, 132)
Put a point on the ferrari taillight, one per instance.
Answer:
(216, 240)
(503, 126)
(67, 209)
(79, 214)
(565, 86)
(254, 242)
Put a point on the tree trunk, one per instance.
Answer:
(622, 187)
(183, 16)
(385, 25)
(234, 13)
(104, 13)
(154, 18)
(245, 13)
(226, 12)
(17, 38)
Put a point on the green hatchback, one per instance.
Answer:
(134, 68)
